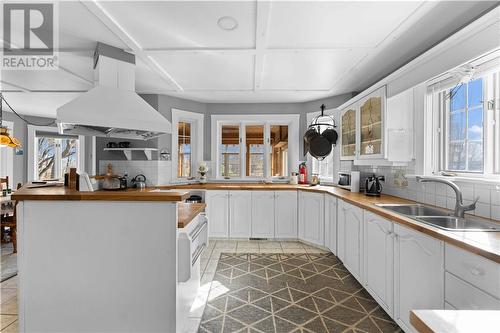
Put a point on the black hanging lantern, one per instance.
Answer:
(320, 136)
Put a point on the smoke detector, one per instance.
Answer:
(227, 23)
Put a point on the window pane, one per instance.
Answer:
(458, 97)
(456, 156)
(475, 92)
(69, 154)
(229, 158)
(476, 124)
(46, 158)
(475, 156)
(255, 150)
(278, 161)
(457, 125)
(184, 150)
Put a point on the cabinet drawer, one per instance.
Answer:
(464, 296)
(479, 271)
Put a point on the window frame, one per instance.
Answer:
(267, 120)
(197, 122)
(437, 117)
(33, 149)
(8, 160)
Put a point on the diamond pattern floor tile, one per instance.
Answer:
(290, 292)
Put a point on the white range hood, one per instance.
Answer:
(112, 108)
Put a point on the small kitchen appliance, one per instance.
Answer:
(349, 181)
(373, 187)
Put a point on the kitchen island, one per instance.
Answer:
(98, 261)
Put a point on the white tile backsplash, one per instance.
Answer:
(156, 172)
(440, 194)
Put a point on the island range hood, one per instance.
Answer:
(112, 108)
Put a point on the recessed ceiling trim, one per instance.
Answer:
(112, 24)
(263, 15)
(14, 86)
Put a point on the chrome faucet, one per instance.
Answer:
(460, 208)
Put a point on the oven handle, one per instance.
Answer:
(194, 234)
(198, 253)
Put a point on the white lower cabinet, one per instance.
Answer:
(472, 282)
(350, 236)
(218, 213)
(331, 223)
(285, 214)
(312, 217)
(240, 214)
(262, 214)
(378, 259)
(418, 274)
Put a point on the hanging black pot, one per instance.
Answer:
(320, 147)
(331, 135)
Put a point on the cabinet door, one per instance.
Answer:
(399, 127)
(418, 274)
(312, 225)
(240, 214)
(371, 126)
(349, 244)
(348, 136)
(285, 220)
(262, 214)
(379, 259)
(331, 223)
(218, 213)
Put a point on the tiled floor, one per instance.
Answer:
(348, 300)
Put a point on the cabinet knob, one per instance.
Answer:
(476, 271)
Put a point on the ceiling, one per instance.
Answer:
(279, 52)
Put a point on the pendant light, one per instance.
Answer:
(5, 138)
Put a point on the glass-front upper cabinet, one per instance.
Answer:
(348, 133)
(371, 111)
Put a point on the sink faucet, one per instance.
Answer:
(460, 208)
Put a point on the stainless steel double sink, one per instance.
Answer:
(440, 218)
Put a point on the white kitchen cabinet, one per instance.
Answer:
(262, 214)
(350, 236)
(379, 259)
(331, 223)
(240, 214)
(285, 214)
(218, 213)
(418, 274)
(312, 217)
(399, 127)
(472, 282)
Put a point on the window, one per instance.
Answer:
(230, 151)
(183, 150)
(254, 146)
(187, 143)
(278, 154)
(468, 114)
(254, 164)
(465, 124)
(55, 155)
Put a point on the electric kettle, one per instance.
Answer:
(373, 187)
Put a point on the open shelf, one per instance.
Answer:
(128, 152)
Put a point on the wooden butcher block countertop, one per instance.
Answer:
(186, 212)
(486, 244)
(64, 193)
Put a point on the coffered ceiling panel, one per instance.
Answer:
(321, 24)
(172, 24)
(208, 71)
(40, 80)
(307, 70)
